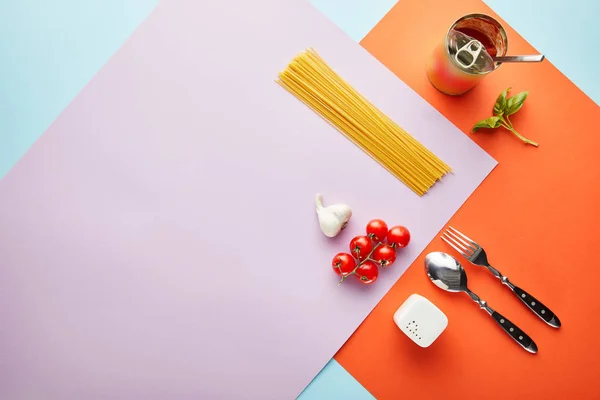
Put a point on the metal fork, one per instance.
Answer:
(473, 252)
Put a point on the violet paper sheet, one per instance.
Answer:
(160, 240)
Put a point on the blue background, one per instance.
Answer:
(50, 49)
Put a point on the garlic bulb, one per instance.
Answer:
(332, 219)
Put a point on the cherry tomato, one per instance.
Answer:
(367, 272)
(398, 236)
(377, 229)
(384, 255)
(343, 264)
(361, 247)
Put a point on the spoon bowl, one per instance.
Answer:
(445, 272)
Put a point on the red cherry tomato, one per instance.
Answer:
(361, 247)
(377, 229)
(398, 236)
(343, 264)
(384, 255)
(367, 272)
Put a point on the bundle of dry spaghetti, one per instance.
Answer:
(309, 78)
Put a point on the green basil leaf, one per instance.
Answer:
(515, 103)
(489, 123)
(500, 105)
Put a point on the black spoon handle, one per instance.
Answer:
(515, 332)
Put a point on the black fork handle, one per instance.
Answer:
(531, 302)
(537, 307)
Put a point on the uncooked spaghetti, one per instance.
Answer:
(311, 80)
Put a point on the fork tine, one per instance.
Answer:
(453, 240)
(472, 248)
(464, 236)
(453, 246)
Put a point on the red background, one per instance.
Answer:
(536, 215)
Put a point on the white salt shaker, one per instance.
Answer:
(420, 320)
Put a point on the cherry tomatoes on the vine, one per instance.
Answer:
(343, 264)
(377, 229)
(384, 255)
(367, 272)
(398, 236)
(361, 247)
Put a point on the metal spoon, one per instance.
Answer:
(447, 273)
(531, 58)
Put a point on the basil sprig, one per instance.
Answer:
(504, 107)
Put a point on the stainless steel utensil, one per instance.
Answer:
(447, 273)
(512, 59)
(476, 255)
